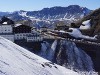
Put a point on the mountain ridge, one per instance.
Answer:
(50, 16)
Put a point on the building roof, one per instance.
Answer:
(21, 25)
(16, 25)
(6, 33)
(6, 21)
(22, 29)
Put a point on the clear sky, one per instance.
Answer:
(13, 5)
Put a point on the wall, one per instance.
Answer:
(20, 36)
(6, 29)
(32, 39)
(9, 37)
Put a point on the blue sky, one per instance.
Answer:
(13, 5)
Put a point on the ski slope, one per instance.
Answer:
(15, 60)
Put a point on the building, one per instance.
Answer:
(44, 29)
(61, 26)
(6, 21)
(8, 36)
(15, 32)
(27, 33)
(6, 31)
(34, 30)
(34, 38)
(21, 31)
(6, 28)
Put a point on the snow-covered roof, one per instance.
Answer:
(4, 23)
(15, 60)
(86, 25)
(16, 25)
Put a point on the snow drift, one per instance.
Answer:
(77, 34)
(86, 25)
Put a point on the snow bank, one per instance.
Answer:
(85, 25)
(15, 60)
(77, 34)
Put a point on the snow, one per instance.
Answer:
(16, 25)
(82, 15)
(74, 56)
(77, 34)
(15, 60)
(86, 25)
(24, 14)
(53, 47)
(4, 23)
(65, 15)
(77, 59)
(48, 50)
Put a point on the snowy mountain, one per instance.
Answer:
(55, 12)
(4, 13)
(15, 60)
(50, 16)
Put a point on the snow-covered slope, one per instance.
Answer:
(85, 25)
(15, 60)
(77, 34)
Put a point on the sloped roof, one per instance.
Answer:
(6, 21)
